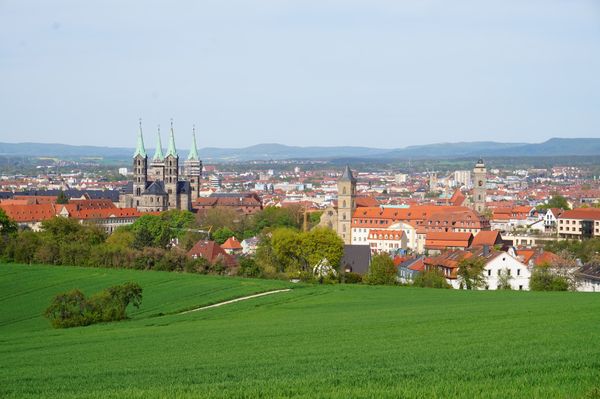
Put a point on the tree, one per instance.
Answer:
(218, 218)
(62, 198)
(322, 243)
(556, 201)
(433, 278)
(470, 272)
(7, 225)
(381, 271)
(543, 279)
(151, 231)
(222, 234)
(504, 280)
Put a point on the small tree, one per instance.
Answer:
(62, 198)
(504, 280)
(544, 279)
(431, 279)
(381, 271)
(470, 272)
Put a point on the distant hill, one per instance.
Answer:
(264, 152)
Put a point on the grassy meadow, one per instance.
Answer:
(316, 341)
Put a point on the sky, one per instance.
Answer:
(373, 73)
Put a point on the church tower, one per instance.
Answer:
(479, 186)
(157, 165)
(140, 168)
(193, 169)
(172, 172)
(346, 204)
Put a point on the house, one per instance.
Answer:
(579, 223)
(498, 264)
(588, 278)
(551, 218)
(249, 245)
(490, 238)
(409, 269)
(441, 241)
(389, 241)
(356, 259)
(232, 246)
(242, 203)
(212, 252)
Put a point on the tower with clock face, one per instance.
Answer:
(479, 186)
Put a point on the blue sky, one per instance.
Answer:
(364, 73)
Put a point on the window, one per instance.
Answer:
(518, 272)
(498, 272)
(489, 272)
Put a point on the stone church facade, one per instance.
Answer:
(161, 184)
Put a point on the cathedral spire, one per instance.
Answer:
(140, 150)
(158, 154)
(171, 150)
(193, 155)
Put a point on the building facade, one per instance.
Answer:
(346, 204)
(479, 186)
(162, 183)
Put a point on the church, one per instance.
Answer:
(162, 183)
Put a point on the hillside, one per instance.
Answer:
(265, 152)
(315, 341)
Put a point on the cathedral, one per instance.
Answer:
(160, 184)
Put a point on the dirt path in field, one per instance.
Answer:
(236, 300)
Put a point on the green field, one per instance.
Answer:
(315, 341)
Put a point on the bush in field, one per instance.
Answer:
(382, 270)
(431, 279)
(352, 278)
(72, 309)
(544, 279)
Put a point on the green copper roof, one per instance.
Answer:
(140, 150)
(171, 150)
(193, 155)
(158, 154)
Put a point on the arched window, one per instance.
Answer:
(344, 204)
(344, 190)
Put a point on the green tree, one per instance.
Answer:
(222, 234)
(322, 243)
(7, 225)
(381, 271)
(151, 231)
(543, 279)
(433, 278)
(556, 201)
(62, 198)
(504, 280)
(470, 272)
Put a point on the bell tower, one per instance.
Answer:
(479, 186)
(346, 186)
(172, 172)
(193, 168)
(140, 168)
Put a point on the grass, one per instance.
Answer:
(315, 341)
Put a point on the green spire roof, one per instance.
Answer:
(140, 150)
(158, 154)
(171, 150)
(193, 155)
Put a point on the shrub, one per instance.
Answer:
(431, 279)
(72, 309)
(543, 279)
(352, 278)
(382, 270)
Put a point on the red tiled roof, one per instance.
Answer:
(231, 243)
(582, 213)
(29, 213)
(212, 252)
(490, 238)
